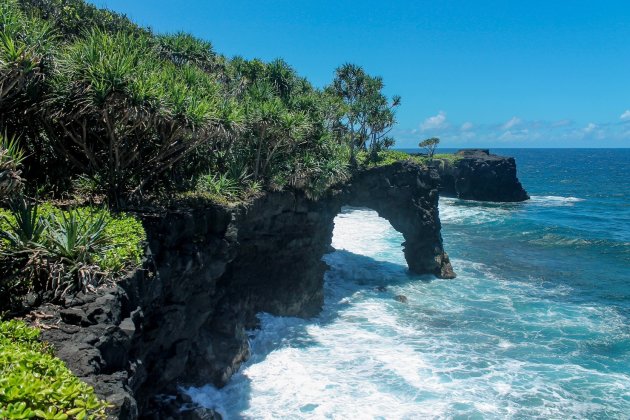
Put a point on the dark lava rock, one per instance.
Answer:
(481, 176)
(182, 317)
(401, 298)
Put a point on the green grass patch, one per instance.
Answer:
(35, 384)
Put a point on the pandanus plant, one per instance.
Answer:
(11, 157)
(26, 229)
(24, 44)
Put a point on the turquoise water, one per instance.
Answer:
(535, 325)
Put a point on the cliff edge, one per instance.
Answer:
(210, 268)
(477, 174)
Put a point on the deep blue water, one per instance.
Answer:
(537, 323)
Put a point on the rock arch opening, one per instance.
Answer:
(406, 195)
(362, 231)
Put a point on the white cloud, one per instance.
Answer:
(589, 128)
(466, 126)
(625, 116)
(436, 122)
(514, 135)
(562, 123)
(513, 122)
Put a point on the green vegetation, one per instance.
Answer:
(366, 114)
(120, 111)
(44, 248)
(97, 109)
(11, 157)
(387, 157)
(35, 384)
(429, 145)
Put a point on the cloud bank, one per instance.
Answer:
(519, 132)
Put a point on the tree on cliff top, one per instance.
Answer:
(368, 115)
(429, 145)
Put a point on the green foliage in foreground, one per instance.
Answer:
(35, 384)
(46, 248)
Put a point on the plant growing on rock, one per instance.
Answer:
(429, 145)
(35, 384)
(368, 116)
(47, 249)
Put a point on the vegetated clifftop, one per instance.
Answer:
(210, 269)
(479, 175)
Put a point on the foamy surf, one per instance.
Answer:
(482, 345)
(553, 200)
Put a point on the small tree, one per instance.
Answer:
(429, 145)
(367, 114)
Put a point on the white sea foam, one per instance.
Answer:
(554, 200)
(480, 346)
(454, 211)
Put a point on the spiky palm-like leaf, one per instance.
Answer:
(11, 157)
(26, 229)
(76, 238)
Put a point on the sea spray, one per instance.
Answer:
(481, 345)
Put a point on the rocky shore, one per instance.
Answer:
(182, 318)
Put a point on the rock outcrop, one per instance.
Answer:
(479, 175)
(210, 268)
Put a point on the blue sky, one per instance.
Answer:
(485, 73)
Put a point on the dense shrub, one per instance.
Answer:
(46, 248)
(123, 115)
(35, 384)
(24, 44)
(11, 157)
(137, 113)
(71, 17)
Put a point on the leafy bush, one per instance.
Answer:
(126, 237)
(219, 185)
(75, 238)
(35, 384)
(25, 228)
(11, 157)
(65, 250)
(123, 115)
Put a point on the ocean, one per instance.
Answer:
(536, 324)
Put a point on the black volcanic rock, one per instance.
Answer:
(407, 196)
(182, 318)
(479, 175)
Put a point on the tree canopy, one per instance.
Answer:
(140, 114)
(429, 145)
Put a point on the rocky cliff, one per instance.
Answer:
(182, 318)
(479, 175)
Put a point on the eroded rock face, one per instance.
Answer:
(210, 269)
(407, 197)
(481, 176)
